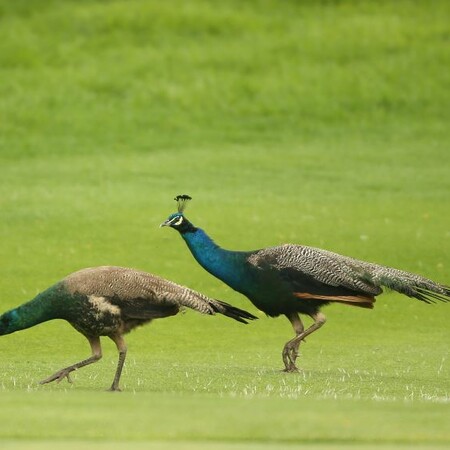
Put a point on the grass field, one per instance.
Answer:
(321, 123)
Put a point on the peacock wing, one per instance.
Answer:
(308, 267)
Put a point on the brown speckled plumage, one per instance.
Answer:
(128, 286)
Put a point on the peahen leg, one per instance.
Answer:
(64, 373)
(291, 348)
(122, 347)
(290, 357)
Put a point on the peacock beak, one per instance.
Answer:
(165, 224)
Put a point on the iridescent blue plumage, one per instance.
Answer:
(229, 266)
(292, 279)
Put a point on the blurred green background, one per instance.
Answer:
(316, 122)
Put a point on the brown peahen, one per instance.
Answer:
(110, 301)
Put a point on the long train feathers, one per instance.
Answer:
(338, 270)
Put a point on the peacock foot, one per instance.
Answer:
(290, 354)
(58, 376)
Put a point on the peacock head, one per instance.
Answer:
(177, 220)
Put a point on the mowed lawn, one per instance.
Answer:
(321, 123)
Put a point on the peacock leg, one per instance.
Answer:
(290, 355)
(122, 347)
(64, 373)
(290, 350)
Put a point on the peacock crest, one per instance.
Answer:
(182, 201)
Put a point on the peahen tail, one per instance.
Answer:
(231, 311)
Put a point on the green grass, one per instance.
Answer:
(322, 123)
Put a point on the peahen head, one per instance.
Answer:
(8, 323)
(177, 220)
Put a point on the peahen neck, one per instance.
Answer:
(42, 308)
(224, 264)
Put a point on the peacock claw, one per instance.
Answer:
(290, 355)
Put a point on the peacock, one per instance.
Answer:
(296, 279)
(110, 301)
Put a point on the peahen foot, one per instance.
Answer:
(114, 389)
(58, 376)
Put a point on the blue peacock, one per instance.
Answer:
(294, 279)
(110, 301)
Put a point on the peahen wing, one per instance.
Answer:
(144, 295)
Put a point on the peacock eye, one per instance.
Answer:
(179, 221)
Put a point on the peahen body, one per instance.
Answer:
(110, 301)
(295, 279)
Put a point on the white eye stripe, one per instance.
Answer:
(179, 221)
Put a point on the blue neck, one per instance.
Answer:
(226, 265)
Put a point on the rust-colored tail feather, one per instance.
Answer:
(353, 300)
